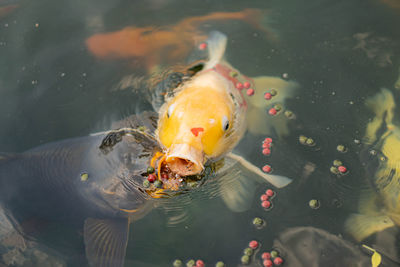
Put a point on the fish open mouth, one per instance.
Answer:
(185, 160)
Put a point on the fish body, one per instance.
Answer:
(75, 181)
(379, 206)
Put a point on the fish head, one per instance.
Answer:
(201, 122)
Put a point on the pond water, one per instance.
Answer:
(58, 81)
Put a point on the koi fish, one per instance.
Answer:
(205, 118)
(153, 45)
(379, 205)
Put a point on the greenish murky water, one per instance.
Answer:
(53, 87)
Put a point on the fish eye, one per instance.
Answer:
(170, 109)
(225, 123)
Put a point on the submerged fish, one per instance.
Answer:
(379, 206)
(205, 118)
(76, 181)
(153, 46)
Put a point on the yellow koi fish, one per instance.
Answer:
(205, 118)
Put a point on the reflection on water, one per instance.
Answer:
(71, 68)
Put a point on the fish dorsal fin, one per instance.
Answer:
(106, 241)
(216, 48)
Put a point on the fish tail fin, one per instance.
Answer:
(216, 48)
(370, 218)
(382, 104)
(259, 20)
(360, 226)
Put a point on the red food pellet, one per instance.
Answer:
(239, 86)
(250, 92)
(246, 85)
(342, 169)
(266, 204)
(253, 244)
(264, 197)
(266, 145)
(199, 263)
(270, 192)
(164, 176)
(266, 151)
(151, 178)
(266, 255)
(267, 96)
(202, 46)
(266, 168)
(278, 261)
(268, 263)
(268, 140)
(272, 111)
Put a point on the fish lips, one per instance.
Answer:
(185, 160)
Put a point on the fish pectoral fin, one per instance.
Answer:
(106, 241)
(276, 180)
(361, 226)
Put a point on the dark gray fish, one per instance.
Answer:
(95, 181)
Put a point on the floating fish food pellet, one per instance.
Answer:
(266, 145)
(337, 163)
(267, 96)
(266, 255)
(177, 263)
(250, 92)
(268, 263)
(267, 168)
(278, 107)
(270, 192)
(272, 111)
(268, 140)
(342, 169)
(310, 142)
(190, 263)
(285, 76)
(84, 176)
(253, 244)
(278, 261)
(245, 259)
(289, 114)
(264, 197)
(239, 86)
(314, 204)
(150, 169)
(266, 151)
(146, 183)
(273, 92)
(248, 251)
(220, 264)
(233, 74)
(202, 46)
(246, 85)
(274, 254)
(334, 170)
(258, 221)
(266, 204)
(199, 263)
(151, 178)
(341, 148)
(302, 139)
(158, 183)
